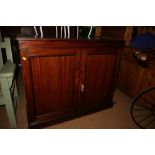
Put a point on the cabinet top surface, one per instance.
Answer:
(23, 38)
(27, 42)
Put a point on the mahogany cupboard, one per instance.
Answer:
(67, 77)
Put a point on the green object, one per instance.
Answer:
(8, 87)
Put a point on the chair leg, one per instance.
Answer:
(16, 93)
(8, 102)
(11, 115)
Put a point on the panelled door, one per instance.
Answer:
(52, 82)
(98, 67)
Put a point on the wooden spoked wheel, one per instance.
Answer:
(143, 109)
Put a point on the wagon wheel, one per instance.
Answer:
(143, 109)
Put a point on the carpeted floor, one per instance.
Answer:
(117, 117)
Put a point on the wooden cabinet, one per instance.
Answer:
(133, 78)
(65, 78)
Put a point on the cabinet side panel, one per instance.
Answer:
(27, 85)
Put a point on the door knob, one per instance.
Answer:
(24, 58)
(82, 87)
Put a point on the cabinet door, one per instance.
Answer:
(98, 67)
(51, 79)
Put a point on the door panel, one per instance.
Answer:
(99, 72)
(53, 83)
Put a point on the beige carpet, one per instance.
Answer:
(117, 117)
